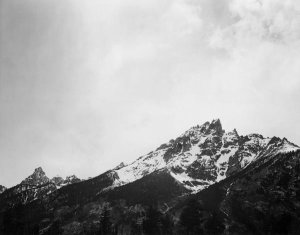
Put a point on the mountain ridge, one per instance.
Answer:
(33, 187)
(199, 157)
(201, 146)
(205, 165)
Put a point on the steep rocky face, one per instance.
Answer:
(37, 178)
(266, 199)
(263, 198)
(35, 186)
(203, 155)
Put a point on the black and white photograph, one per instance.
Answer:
(149, 117)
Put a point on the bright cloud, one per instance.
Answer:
(85, 85)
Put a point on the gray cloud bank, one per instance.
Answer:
(87, 84)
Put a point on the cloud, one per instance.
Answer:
(261, 44)
(259, 22)
(90, 84)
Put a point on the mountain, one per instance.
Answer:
(35, 186)
(37, 178)
(195, 183)
(263, 198)
(60, 182)
(202, 156)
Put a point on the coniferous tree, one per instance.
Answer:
(167, 224)
(105, 223)
(191, 217)
(152, 223)
(214, 224)
(55, 228)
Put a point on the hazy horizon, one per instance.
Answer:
(87, 85)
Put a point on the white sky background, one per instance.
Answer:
(85, 85)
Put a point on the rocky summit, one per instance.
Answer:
(205, 181)
(34, 187)
(203, 155)
(37, 178)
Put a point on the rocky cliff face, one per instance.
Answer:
(35, 186)
(37, 178)
(263, 198)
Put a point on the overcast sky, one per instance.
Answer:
(85, 85)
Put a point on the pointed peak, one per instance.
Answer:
(215, 127)
(286, 141)
(233, 132)
(275, 140)
(284, 145)
(39, 170)
(194, 132)
(217, 120)
(37, 177)
(231, 136)
(121, 165)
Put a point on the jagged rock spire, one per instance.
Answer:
(215, 127)
(37, 178)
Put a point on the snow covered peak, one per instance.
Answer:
(215, 127)
(234, 132)
(196, 130)
(35, 186)
(202, 155)
(277, 145)
(122, 164)
(287, 146)
(231, 137)
(207, 128)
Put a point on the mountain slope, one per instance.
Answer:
(35, 186)
(263, 198)
(203, 155)
(205, 163)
